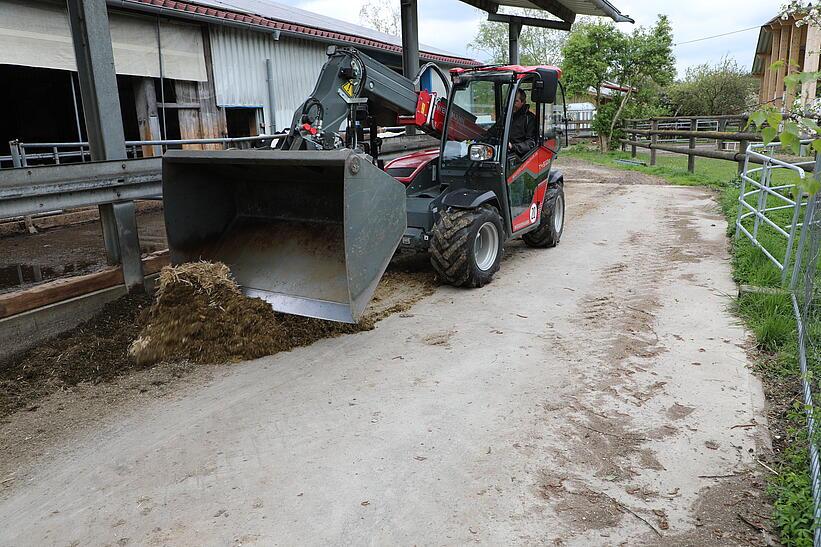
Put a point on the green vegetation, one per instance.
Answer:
(769, 317)
(714, 90)
(597, 52)
(709, 172)
(537, 46)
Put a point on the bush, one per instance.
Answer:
(714, 90)
(644, 105)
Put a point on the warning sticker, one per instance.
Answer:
(347, 87)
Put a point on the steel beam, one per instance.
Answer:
(93, 51)
(410, 44)
(514, 29)
(54, 187)
(529, 21)
(557, 9)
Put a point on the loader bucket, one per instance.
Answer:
(310, 232)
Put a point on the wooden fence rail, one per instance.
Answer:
(692, 134)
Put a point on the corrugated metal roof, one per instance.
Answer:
(294, 21)
(765, 42)
(762, 49)
(282, 12)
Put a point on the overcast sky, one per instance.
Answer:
(451, 24)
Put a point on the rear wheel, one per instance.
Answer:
(467, 246)
(551, 224)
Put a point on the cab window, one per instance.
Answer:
(553, 115)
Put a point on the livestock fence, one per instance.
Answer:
(716, 137)
(805, 294)
(772, 209)
(27, 154)
(23, 154)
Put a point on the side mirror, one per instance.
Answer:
(545, 86)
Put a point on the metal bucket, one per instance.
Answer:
(310, 232)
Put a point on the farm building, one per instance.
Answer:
(797, 47)
(185, 70)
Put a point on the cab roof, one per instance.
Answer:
(519, 70)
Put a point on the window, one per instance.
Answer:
(554, 113)
(476, 115)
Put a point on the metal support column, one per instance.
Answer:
(514, 29)
(16, 157)
(410, 44)
(272, 104)
(91, 37)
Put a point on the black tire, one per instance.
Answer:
(551, 225)
(453, 246)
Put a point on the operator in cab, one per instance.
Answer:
(524, 128)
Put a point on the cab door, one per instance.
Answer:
(527, 177)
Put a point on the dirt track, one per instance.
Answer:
(592, 394)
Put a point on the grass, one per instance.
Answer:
(709, 172)
(768, 316)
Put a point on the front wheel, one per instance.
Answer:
(551, 224)
(467, 245)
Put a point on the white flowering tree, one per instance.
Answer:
(800, 119)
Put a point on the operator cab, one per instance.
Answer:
(493, 151)
(490, 146)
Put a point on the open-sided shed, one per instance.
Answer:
(797, 47)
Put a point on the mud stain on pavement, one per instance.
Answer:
(608, 449)
(85, 375)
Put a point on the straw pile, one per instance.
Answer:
(201, 315)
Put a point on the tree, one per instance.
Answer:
(589, 57)
(643, 58)
(597, 52)
(537, 46)
(645, 102)
(381, 15)
(714, 90)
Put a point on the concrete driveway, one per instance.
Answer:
(591, 395)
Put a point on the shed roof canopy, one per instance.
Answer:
(566, 10)
(763, 47)
(291, 14)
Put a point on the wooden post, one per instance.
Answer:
(776, 41)
(793, 60)
(654, 126)
(766, 87)
(145, 97)
(776, 32)
(742, 148)
(811, 57)
(722, 127)
(691, 159)
(633, 137)
(784, 45)
(212, 118)
(189, 117)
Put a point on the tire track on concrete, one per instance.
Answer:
(620, 422)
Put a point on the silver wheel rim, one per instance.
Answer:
(486, 246)
(558, 214)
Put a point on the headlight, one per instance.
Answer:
(481, 152)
